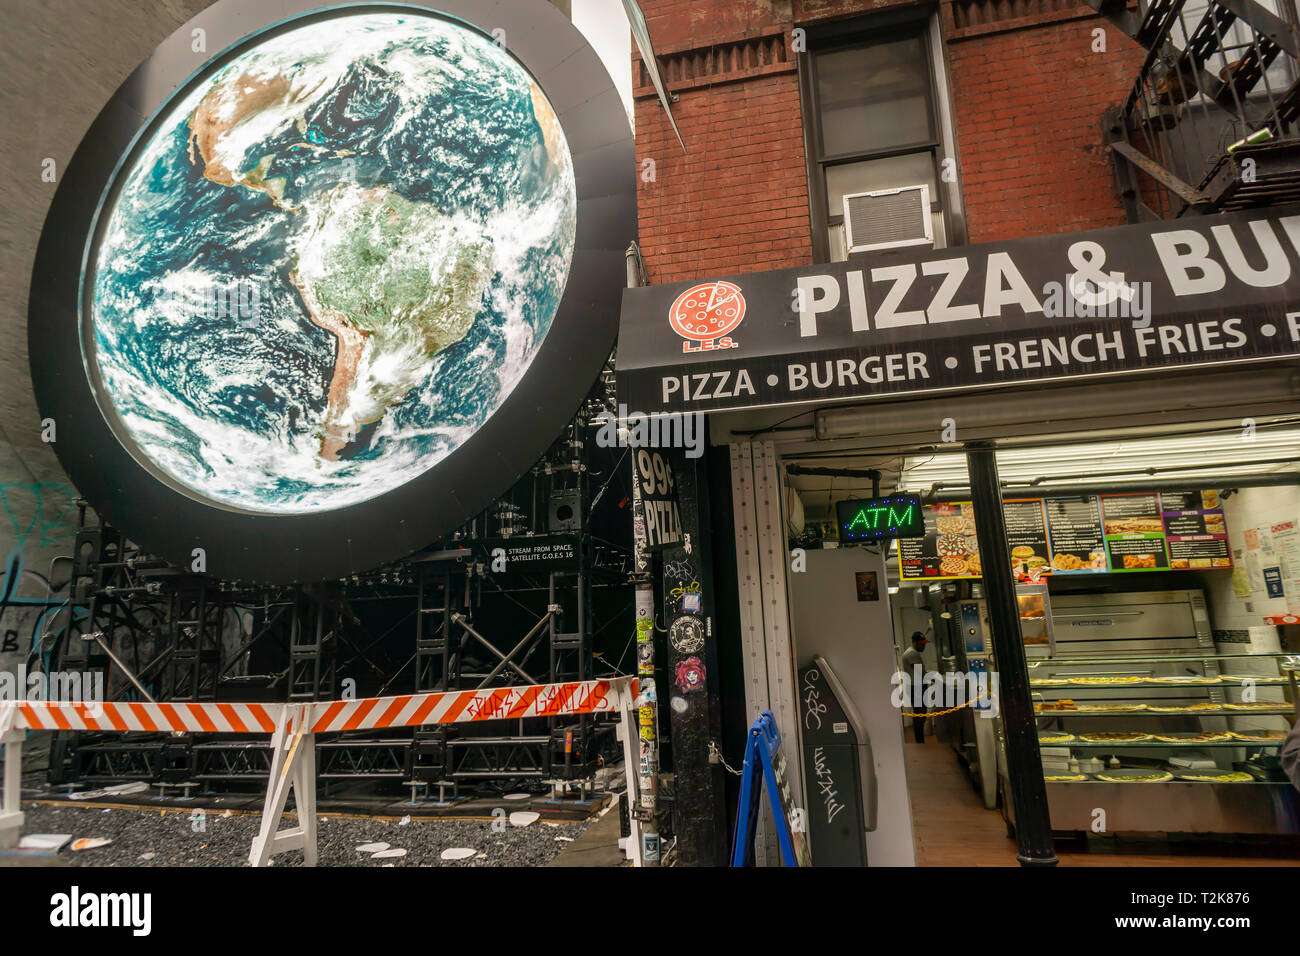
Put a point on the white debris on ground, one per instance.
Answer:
(44, 841)
(156, 837)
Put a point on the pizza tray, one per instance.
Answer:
(1223, 775)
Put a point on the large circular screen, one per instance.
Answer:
(330, 262)
(321, 283)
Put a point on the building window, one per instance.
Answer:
(871, 123)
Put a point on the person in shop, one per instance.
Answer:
(1291, 755)
(914, 668)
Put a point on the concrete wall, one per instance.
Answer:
(63, 59)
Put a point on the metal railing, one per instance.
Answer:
(1213, 118)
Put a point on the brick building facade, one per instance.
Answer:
(1028, 82)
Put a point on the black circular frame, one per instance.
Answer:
(256, 547)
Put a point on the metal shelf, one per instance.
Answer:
(1155, 660)
(1182, 744)
(1149, 684)
(1165, 783)
(1280, 711)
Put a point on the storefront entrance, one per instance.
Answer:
(1013, 355)
(1156, 573)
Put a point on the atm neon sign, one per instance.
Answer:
(875, 519)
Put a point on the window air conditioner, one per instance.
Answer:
(888, 219)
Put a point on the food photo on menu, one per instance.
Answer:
(949, 548)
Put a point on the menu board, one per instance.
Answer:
(1027, 536)
(1195, 530)
(1074, 532)
(1135, 532)
(948, 550)
(1084, 534)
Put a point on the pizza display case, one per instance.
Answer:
(1141, 715)
(1036, 626)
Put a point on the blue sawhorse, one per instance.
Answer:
(765, 766)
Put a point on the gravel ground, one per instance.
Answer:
(180, 838)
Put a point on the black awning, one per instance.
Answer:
(1202, 291)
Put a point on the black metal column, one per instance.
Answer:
(699, 811)
(1024, 765)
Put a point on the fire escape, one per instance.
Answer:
(1212, 121)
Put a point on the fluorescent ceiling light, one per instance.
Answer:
(1185, 457)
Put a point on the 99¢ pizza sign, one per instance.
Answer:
(663, 523)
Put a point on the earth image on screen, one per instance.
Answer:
(330, 262)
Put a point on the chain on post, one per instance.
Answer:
(715, 752)
(940, 713)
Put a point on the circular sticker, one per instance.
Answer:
(686, 635)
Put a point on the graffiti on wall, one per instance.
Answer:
(40, 513)
(41, 523)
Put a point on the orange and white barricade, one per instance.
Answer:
(11, 813)
(293, 729)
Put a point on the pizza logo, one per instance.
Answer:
(704, 314)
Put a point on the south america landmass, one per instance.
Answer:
(396, 282)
